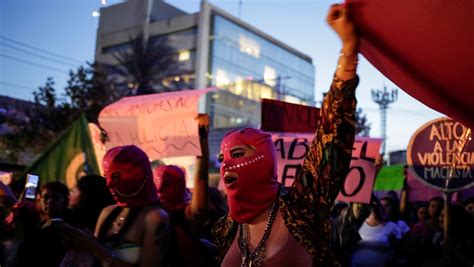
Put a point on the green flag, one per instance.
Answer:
(68, 158)
(389, 178)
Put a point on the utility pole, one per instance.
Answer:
(384, 98)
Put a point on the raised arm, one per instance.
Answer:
(198, 207)
(328, 159)
(339, 20)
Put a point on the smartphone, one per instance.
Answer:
(31, 185)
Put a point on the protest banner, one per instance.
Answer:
(279, 116)
(360, 179)
(441, 155)
(291, 148)
(162, 125)
(390, 178)
(439, 80)
(294, 136)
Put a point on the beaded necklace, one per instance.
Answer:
(257, 257)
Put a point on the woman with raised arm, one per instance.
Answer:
(187, 213)
(266, 227)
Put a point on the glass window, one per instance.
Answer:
(248, 68)
(240, 53)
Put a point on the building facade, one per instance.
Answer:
(212, 48)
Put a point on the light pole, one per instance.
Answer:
(384, 98)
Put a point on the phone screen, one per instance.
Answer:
(31, 185)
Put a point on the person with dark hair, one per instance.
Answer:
(468, 205)
(378, 236)
(337, 209)
(86, 201)
(457, 249)
(45, 247)
(54, 201)
(462, 237)
(266, 226)
(19, 225)
(345, 231)
(422, 213)
(418, 243)
(392, 210)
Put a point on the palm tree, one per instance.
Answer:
(144, 66)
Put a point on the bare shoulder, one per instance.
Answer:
(155, 215)
(107, 210)
(103, 215)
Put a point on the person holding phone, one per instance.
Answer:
(44, 246)
(266, 227)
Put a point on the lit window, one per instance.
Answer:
(184, 55)
(292, 99)
(221, 78)
(269, 76)
(249, 46)
(266, 93)
(238, 86)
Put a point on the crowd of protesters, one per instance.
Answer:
(139, 216)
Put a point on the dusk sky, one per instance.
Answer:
(46, 38)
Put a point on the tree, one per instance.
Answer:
(32, 129)
(144, 67)
(89, 91)
(52, 115)
(362, 124)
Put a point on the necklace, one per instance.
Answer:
(257, 257)
(132, 194)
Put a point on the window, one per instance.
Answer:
(184, 55)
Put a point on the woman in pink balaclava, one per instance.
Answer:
(187, 213)
(265, 227)
(135, 231)
(170, 181)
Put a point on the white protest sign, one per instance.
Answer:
(162, 125)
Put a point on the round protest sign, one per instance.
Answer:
(441, 155)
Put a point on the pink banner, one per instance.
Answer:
(292, 147)
(361, 177)
(162, 125)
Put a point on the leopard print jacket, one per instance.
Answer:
(306, 206)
